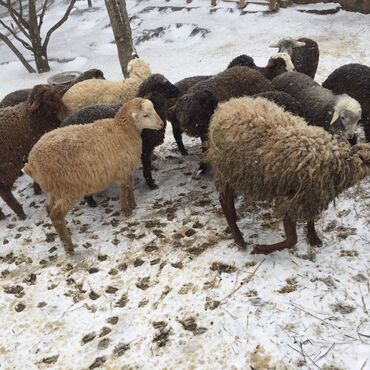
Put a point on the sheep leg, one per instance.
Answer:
(90, 201)
(9, 199)
(123, 190)
(130, 194)
(177, 134)
(36, 188)
(290, 228)
(146, 159)
(57, 212)
(203, 167)
(312, 236)
(228, 207)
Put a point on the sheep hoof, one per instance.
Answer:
(21, 216)
(127, 213)
(91, 202)
(314, 241)
(241, 243)
(69, 250)
(184, 152)
(153, 185)
(2, 216)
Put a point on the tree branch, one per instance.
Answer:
(58, 24)
(12, 31)
(41, 19)
(17, 18)
(19, 55)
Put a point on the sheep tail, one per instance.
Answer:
(27, 169)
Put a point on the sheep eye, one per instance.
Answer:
(146, 115)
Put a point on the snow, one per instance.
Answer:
(156, 272)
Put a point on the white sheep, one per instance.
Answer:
(90, 92)
(71, 162)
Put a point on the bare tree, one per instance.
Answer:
(27, 30)
(122, 31)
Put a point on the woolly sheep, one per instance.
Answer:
(185, 84)
(194, 109)
(159, 91)
(304, 53)
(337, 114)
(79, 160)
(92, 92)
(20, 128)
(20, 96)
(268, 154)
(354, 80)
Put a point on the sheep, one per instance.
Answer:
(20, 96)
(159, 91)
(195, 108)
(337, 114)
(304, 53)
(184, 85)
(283, 100)
(92, 92)
(79, 160)
(354, 80)
(20, 128)
(270, 155)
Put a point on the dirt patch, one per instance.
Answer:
(342, 308)
(290, 287)
(162, 335)
(222, 267)
(190, 324)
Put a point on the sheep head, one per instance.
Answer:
(138, 68)
(46, 102)
(141, 113)
(242, 60)
(347, 113)
(194, 112)
(157, 85)
(280, 63)
(287, 44)
(92, 73)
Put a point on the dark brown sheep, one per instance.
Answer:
(20, 96)
(303, 51)
(20, 128)
(194, 109)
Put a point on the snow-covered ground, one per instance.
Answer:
(167, 287)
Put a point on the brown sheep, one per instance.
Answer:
(74, 161)
(268, 154)
(20, 128)
(20, 96)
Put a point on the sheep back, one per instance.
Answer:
(14, 98)
(91, 113)
(270, 155)
(283, 100)
(234, 82)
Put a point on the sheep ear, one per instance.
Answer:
(273, 46)
(172, 109)
(334, 118)
(33, 106)
(271, 63)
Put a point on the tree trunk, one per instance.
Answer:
(122, 31)
(89, 3)
(41, 60)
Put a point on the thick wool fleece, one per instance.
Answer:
(79, 160)
(270, 155)
(91, 92)
(234, 82)
(353, 80)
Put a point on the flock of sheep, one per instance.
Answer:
(271, 133)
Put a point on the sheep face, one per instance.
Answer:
(346, 116)
(45, 100)
(165, 88)
(286, 45)
(194, 112)
(281, 63)
(242, 60)
(138, 68)
(145, 116)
